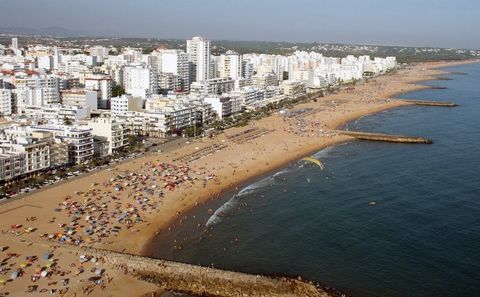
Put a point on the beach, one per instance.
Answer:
(124, 207)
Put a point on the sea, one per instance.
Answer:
(381, 219)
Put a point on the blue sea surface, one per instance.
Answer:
(382, 219)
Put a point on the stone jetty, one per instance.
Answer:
(431, 103)
(385, 137)
(204, 281)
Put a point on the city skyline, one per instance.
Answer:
(430, 23)
(239, 148)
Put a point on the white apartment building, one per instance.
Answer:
(100, 52)
(114, 71)
(150, 124)
(23, 97)
(198, 49)
(56, 113)
(247, 70)
(247, 96)
(293, 89)
(47, 85)
(158, 102)
(132, 55)
(79, 140)
(139, 81)
(264, 80)
(80, 97)
(68, 82)
(15, 42)
(112, 131)
(125, 103)
(174, 62)
(45, 62)
(170, 82)
(216, 86)
(5, 102)
(230, 65)
(23, 152)
(102, 84)
(12, 164)
(171, 117)
(221, 105)
(74, 68)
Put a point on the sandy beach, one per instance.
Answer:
(122, 208)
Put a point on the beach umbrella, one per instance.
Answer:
(44, 273)
(14, 274)
(47, 256)
(2, 281)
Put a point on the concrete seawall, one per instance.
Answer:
(204, 281)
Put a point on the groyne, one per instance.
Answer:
(204, 281)
(431, 103)
(385, 137)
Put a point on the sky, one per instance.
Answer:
(439, 23)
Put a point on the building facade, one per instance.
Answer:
(198, 49)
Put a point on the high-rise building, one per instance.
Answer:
(100, 52)
(15, 42)
(5, 102)
(174, 62)
(57, 59)
(247, 70)
(103, 85)
(198, 49)
(230, 65)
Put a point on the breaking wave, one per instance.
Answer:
(233, 202)
(324, 153)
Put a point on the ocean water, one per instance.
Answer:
(390, 220)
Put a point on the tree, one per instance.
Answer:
(67, 121)
(117, 91)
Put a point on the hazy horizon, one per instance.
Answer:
(373, 22)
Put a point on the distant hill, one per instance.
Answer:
(58, 36)
(48, 31)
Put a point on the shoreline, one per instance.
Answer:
(236, 164)
(415, 85)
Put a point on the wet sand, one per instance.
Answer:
(124, 207)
